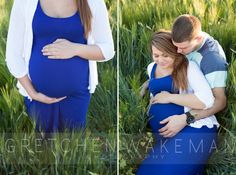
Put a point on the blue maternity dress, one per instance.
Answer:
(184, 154)
(58, 77)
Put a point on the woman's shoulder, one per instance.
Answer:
(22, 5)
(149, 68)
(192, 63)
(192, 66)
(193, 70)
(95, 4)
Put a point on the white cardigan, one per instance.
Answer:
(197, 85)
(20, 39)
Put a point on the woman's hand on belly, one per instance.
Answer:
(45, 99)
(60, 49)
(28, 86)
(163, 97)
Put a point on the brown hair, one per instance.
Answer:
(85, 15)
(185, 28)
(163, 41)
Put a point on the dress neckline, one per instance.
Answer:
(41, 9)
(153, 73)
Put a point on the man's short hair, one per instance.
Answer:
(185, 28)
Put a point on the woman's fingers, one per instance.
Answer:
(54, 57)
(54, 100)
(153, 100)
(59, 49)
(59, 40)
(48, 47)
(62, 98)
(51, 51)
(48, 100)
(52, 46)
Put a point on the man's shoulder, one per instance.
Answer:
(210, 62)
(212, 57)
(211, 45)
(213, 61)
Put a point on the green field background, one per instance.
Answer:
(94, 153)
(138, 20)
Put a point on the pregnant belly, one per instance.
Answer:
(159, 112)
(56, 77)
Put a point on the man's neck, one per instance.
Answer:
(198, 46)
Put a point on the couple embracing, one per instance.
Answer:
(187, 81)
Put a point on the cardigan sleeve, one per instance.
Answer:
(15, 41)
(199, 85)
(149, 69)
(101, 30)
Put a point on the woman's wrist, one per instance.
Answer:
(171, 98)
(28, 86)
(33, 94)
(76, 49)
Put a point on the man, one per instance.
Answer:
(201, 48)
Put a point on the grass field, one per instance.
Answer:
(22, 151)
(139, 19)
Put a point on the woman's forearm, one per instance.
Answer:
(89, 52)
(188, 100)
(143, 88)
(27, 84)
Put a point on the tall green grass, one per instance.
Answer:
(139, 19)
(22, 151)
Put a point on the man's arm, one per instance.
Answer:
(176, 123)
(219, 104)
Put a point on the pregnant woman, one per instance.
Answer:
(52, 49)
(177, 86)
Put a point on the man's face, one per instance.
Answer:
(186, 47)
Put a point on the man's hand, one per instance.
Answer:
(174, 124)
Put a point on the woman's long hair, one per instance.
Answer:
(85, 15)
(163, 41)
